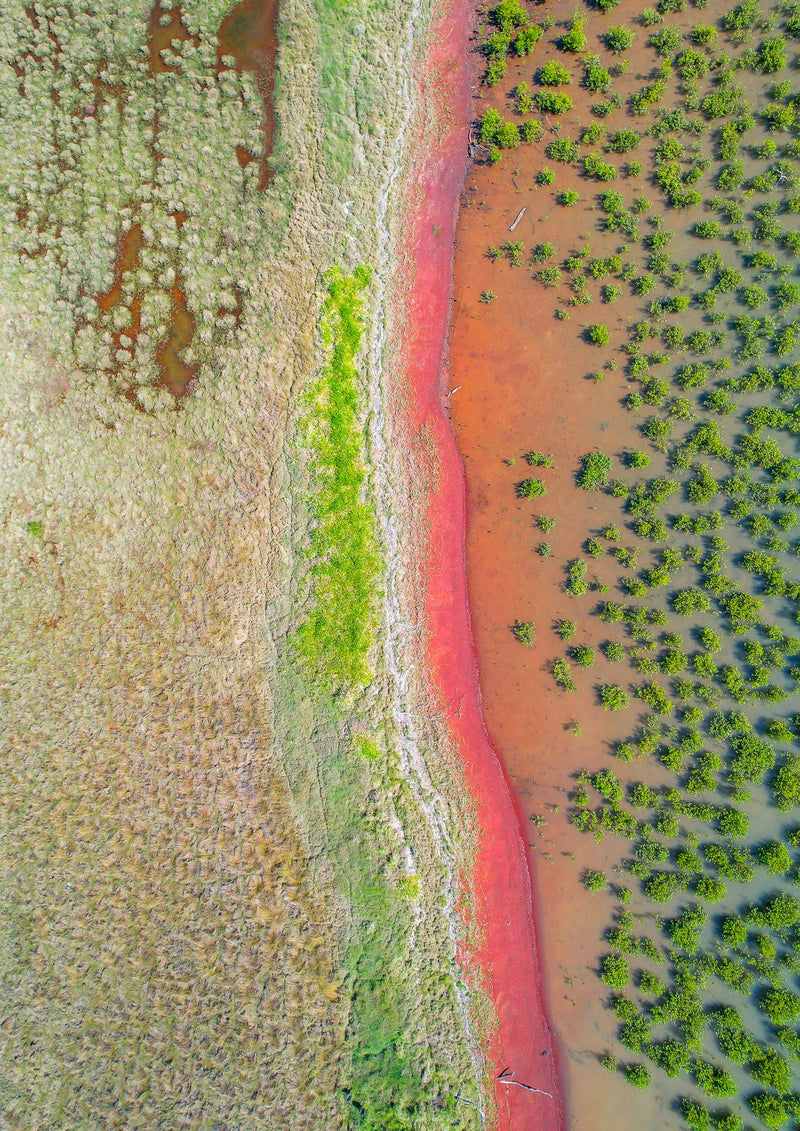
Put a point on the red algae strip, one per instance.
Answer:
(523, 1042)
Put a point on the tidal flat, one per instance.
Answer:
(624, 367)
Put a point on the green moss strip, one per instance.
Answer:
(336, 635)
(406, 1060)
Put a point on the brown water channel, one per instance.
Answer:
(249, 34)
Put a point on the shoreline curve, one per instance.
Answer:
(508, 960)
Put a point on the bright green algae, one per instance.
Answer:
(336, 636)
(396, 1079)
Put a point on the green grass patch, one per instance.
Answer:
(404, 1061)
(336, 635)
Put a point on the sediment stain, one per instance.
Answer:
(165, 26)
(248, 35)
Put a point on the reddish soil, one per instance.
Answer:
(522, 380)
(509, 958)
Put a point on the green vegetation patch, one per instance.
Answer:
(336, 635)
(402, 1057)
(593, 474)
(392, 1085)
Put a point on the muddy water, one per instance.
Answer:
(520, 389)
(130, 246)
(248, 41)
(175, 374)
(163, 27)
(522, 381)
(249, 35)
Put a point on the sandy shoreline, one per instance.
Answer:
(508, 956)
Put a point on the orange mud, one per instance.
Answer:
(521, 381)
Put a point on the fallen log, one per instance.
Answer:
(520, 214)
(505, 1078)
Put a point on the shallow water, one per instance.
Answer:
(521, 381)
(521, 389)
(250, 35)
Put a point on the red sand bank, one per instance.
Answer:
(523, 1042)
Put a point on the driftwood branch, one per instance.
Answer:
(520, 214)
(476, 149)
(505, 1078)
